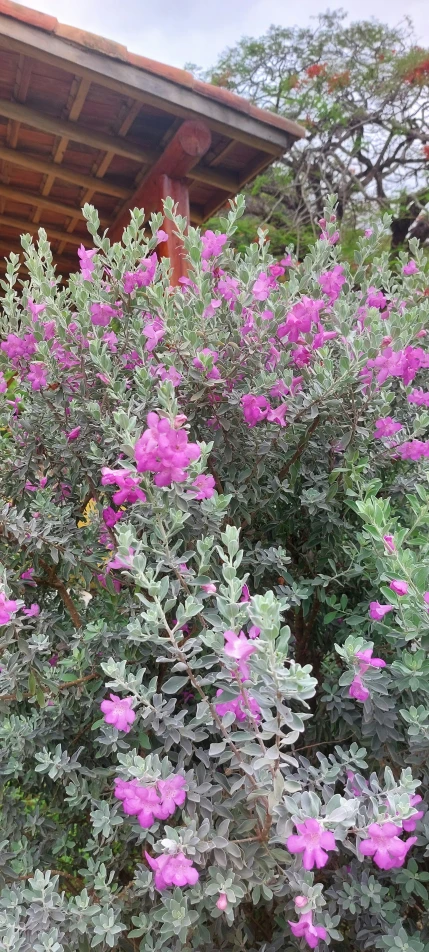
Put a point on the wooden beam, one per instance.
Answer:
(32, 228)
(110, 144)
(188, 145)
(62, 127)
(25, 161)
(148, 86)
(22, 82)
(100, 169)
(37, 200)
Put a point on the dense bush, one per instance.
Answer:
(214, 608)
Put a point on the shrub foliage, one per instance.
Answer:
(214, 597)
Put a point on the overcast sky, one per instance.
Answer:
(180, 31)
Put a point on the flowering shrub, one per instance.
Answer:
(214, 597)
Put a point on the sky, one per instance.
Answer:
(197, 31)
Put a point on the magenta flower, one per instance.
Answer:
(254, 632)
(28, 575)
(300, 318)
(313, 841)
(161, 236)
(384, 845)
(331, 282)
(32, 611)
(129, 487)
(205, 486)
(277, 415)
(255, 409)
(378, 611)
(222, 901)
(239, 648)
(376, 299)
(238, 708)
(212, 244)
(304, 929)
(389, 543)
(154, 332)
(419, 397)
(118, 712)
(165, 451)
(410, 824)
(367, 661)
(37, 376)
(102, 314)
(410, 268)
(8, 607)
(357, 689)
(87, 265)
(172, 794)
(209, 588)
(35, 309)
(399, 586)
(173, 870)
(263, 286)
(386, 426)
(73, 434)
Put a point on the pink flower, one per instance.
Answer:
(376, 298)
(313, 841)
(205, 486)
(410, 824)
(172, 794)
(263, 286)
(384, 845)
(32, 611)
(174, 870)
(357, 689)
(399, 586)
(245, 594)
(255, 409)
(222, 901)
(73, 434)
(119, 563)
(389, 543)
(378, 611)
(143, 276)
(161, 236)
(331, 282)
(410, 268)
(414, 450)
(368, 232)
(386, 426)
(8, 607)
(300, 318)
(420, 397)
(238, 707)
(3, 383)
(239, 648)
(305, 929)
(19, 347)
(101, 314)
(37, 376)
(118, 712)
(214, 373)
(165, 451)
(277, 415)
(154, 331)
(28, 575)
(367, 661)
(129, 487)
(426, 598)
(254, 632)
(35, 309)
(212, 244)
(209, 588)
(87, 265)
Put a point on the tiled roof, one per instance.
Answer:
(99, 44)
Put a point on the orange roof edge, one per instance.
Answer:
(100, 44)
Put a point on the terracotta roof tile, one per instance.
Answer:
(107, 47)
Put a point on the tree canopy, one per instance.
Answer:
(362, 92)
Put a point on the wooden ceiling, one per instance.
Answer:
(82, 120)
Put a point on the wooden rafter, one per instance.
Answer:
(228, 182)
(101, 168)
(23, 226)
(37, 200)
(25, 161)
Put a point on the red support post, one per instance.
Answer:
(166, 179)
